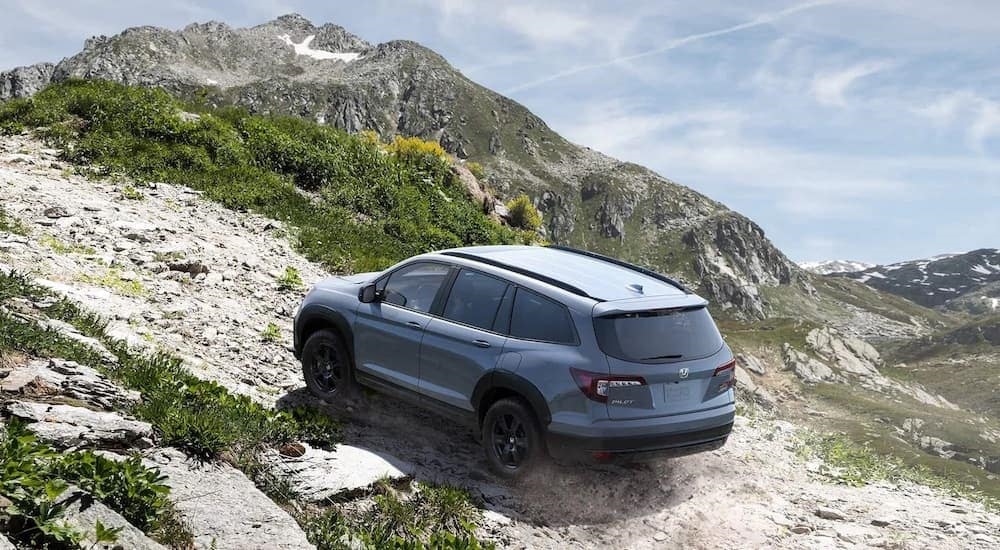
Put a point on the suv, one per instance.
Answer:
(535, 348)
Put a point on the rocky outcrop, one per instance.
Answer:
(222, 507)
(318, 475)
(805, 367)
(82, 512)
(588, 199)
(70, 426)
(25, 81)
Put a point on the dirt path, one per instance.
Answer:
(133, 261)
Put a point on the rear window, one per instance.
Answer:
(537, 318)
(659, 336)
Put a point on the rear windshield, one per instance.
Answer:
(659, 336)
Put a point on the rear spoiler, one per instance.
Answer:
(632, 305)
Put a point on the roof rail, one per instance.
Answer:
(633, 267)
(521, 271)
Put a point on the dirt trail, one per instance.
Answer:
(126, 258)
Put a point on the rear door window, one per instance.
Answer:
(415, 286)
(475, 299)
(536, 317)
(659, 336)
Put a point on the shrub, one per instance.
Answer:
(476, 169)
(378, 203)
(290, 279)
(271, 333)
(523, 214)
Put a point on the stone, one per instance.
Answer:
(66, 425)
(56, 212)
(222, 508)
(805, 367)
(881, 522)
(828, 513)
(59, 377)
(751, 364)
(801, 529)
(319, 474)
(659, 536)
(6, 544)
(82, 512)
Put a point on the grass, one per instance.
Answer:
(290, 279)
(13, 225)
(271, 333)
(61, 247)
(860, 464)
(112, 279)
(35, 475)
(415, 517)
(129, 192)
(378, 203)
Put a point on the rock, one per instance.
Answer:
(292, 449)
(660, 536)
(807, 368)
(801, 529)
(69, 331)
(67, 426)
(5, 543)
(191, 267)
(56, 212)
(752, 364)
(82, 512)
(828, 513)
(56, 376)
(847, 353)
(881, 522)
(318, 474)
(222, 508)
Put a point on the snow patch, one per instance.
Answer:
(304, 49)
(877, 275)
(211, 82)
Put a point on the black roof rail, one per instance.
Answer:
(521, 271)
(633, 267)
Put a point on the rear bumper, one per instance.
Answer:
(664, 442)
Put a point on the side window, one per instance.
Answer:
(414, 286)
(537, 318)
(475, 299)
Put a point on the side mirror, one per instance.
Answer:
(368, 294)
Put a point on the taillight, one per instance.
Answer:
(728, 371)
(596, 385)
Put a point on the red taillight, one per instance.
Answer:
(596, 385)
(730, 366)
(729, 371)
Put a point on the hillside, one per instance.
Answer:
(964, 282)
(796, 487)
(834, 266)
(588, 199)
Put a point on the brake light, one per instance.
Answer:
(596, 385)
(727, 370)
(730, 366)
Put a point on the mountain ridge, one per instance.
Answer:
(400, 87)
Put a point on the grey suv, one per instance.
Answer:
(536, 348)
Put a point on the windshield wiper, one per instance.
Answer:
(661, 357)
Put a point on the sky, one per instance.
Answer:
(846, 129)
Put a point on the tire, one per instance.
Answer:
(327, 367)
(506, 419)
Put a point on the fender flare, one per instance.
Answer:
(324, 315)
(509, 381)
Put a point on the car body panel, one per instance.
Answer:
(387, 343)
(453, 357)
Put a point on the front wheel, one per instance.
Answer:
(326, 366)
(511, 438)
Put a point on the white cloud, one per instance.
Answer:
(543, 24)
(829, 87)
(979, 115)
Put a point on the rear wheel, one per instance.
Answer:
(326, 366)
(511, 438)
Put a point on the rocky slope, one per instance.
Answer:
(829, 267)
(969, 281)
(290, 66)
(92, 242)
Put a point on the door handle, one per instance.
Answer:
(481, 343)
(413, 324)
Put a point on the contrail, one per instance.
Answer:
(762, 19)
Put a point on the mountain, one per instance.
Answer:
(968, 282)
(828, 267)
(289, 66)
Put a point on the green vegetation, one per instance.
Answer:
(112, 279)
(859, 464)
(65, 248)
(34, 476)
(523, 214)
(11, 224)
(432, 517)
(476, 169)
(131, 193)
(378, 203)
(271, 333)
(290, 279)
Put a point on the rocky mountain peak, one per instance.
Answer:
(290, 66)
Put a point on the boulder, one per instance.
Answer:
(68, 426)
(318, 474)
(82, 512)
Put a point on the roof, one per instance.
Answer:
(602, 279)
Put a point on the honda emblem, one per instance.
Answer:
(684, 373)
